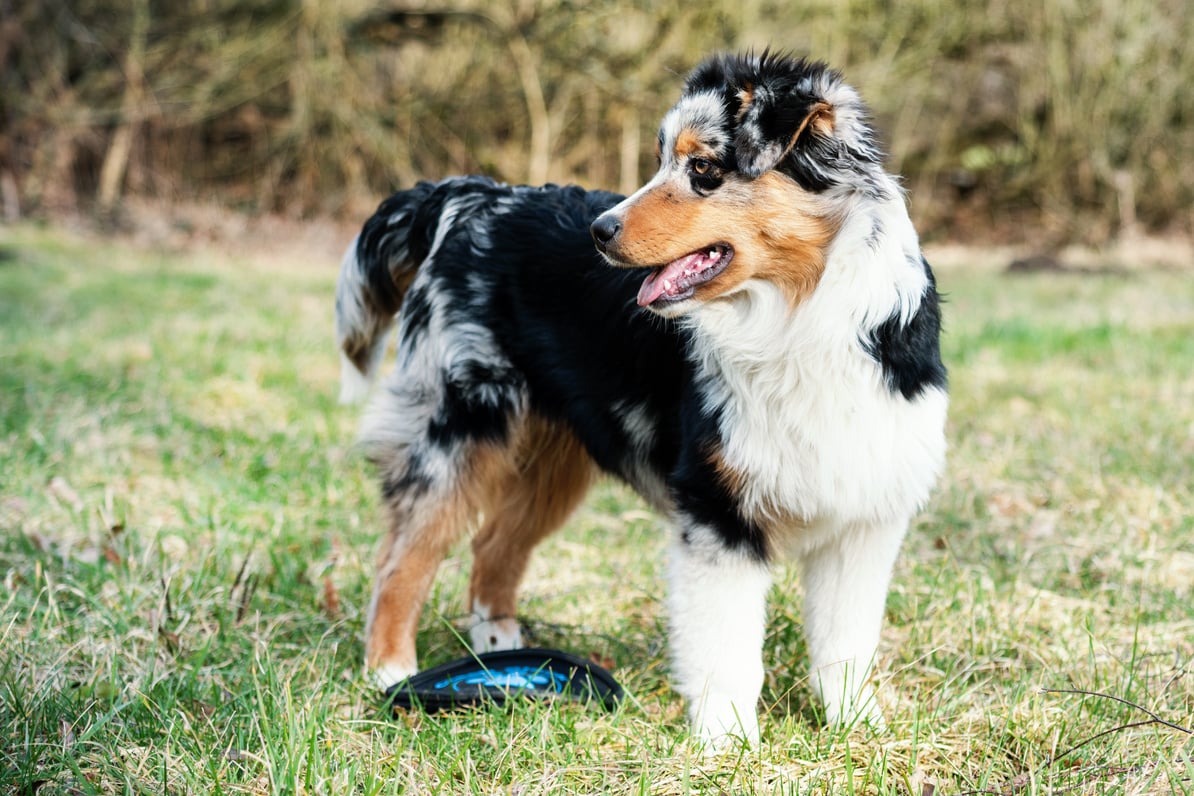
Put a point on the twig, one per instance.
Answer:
(1129, 726)
(240, 573)
(246, 595)
(247, 587)
(1021, 781)
(1155, 718)
(168, 606)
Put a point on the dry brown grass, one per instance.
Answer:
(1050, 122)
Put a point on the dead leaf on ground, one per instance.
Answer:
(331, 598)
(62, 491)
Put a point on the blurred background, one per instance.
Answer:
(1055, 122)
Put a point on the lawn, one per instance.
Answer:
(186, 534)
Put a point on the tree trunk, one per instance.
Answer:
(116, 161)
(528, 74)
(631, 147)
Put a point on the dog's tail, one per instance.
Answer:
(378, 267)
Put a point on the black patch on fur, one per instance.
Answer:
(705, 184)
(412, 481)
(383, 251)
(477, 403)
(700, 492)
(568, 324)
(416, 316)
(910, 354)
(425, 223)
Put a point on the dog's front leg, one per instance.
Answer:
(845, 582)
(717, 606)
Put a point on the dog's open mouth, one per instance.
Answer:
(678, 279)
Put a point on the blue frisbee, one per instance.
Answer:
(498, 677)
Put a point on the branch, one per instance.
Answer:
(1155, 719)
(1021, 780)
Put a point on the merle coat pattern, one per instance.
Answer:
(750, 341)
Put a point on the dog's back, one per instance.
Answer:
(499, 288)
(525, 227)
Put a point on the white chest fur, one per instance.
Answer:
(805, 413)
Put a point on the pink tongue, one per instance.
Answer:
(654, 285)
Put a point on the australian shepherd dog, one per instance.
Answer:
(750, 341)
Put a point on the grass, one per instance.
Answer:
(186, 534)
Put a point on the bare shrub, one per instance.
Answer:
(1062, 120)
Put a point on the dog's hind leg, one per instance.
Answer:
(845, 582)
(426, 516)
(406, 566)
(552, 474)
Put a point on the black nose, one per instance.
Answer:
(605, 229)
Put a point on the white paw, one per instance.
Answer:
(389, 674)
(862, 710)
(721, 723)
(491, 635)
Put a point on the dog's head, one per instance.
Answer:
(758, 162)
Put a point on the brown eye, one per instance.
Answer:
(705, 175)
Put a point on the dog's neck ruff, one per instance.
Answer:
(797, 395)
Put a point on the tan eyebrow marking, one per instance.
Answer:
(746, 96)
(687, 142)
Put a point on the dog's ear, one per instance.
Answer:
(771, 120)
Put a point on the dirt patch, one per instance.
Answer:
(1129, 254)
(283, 241)
(270, 240)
